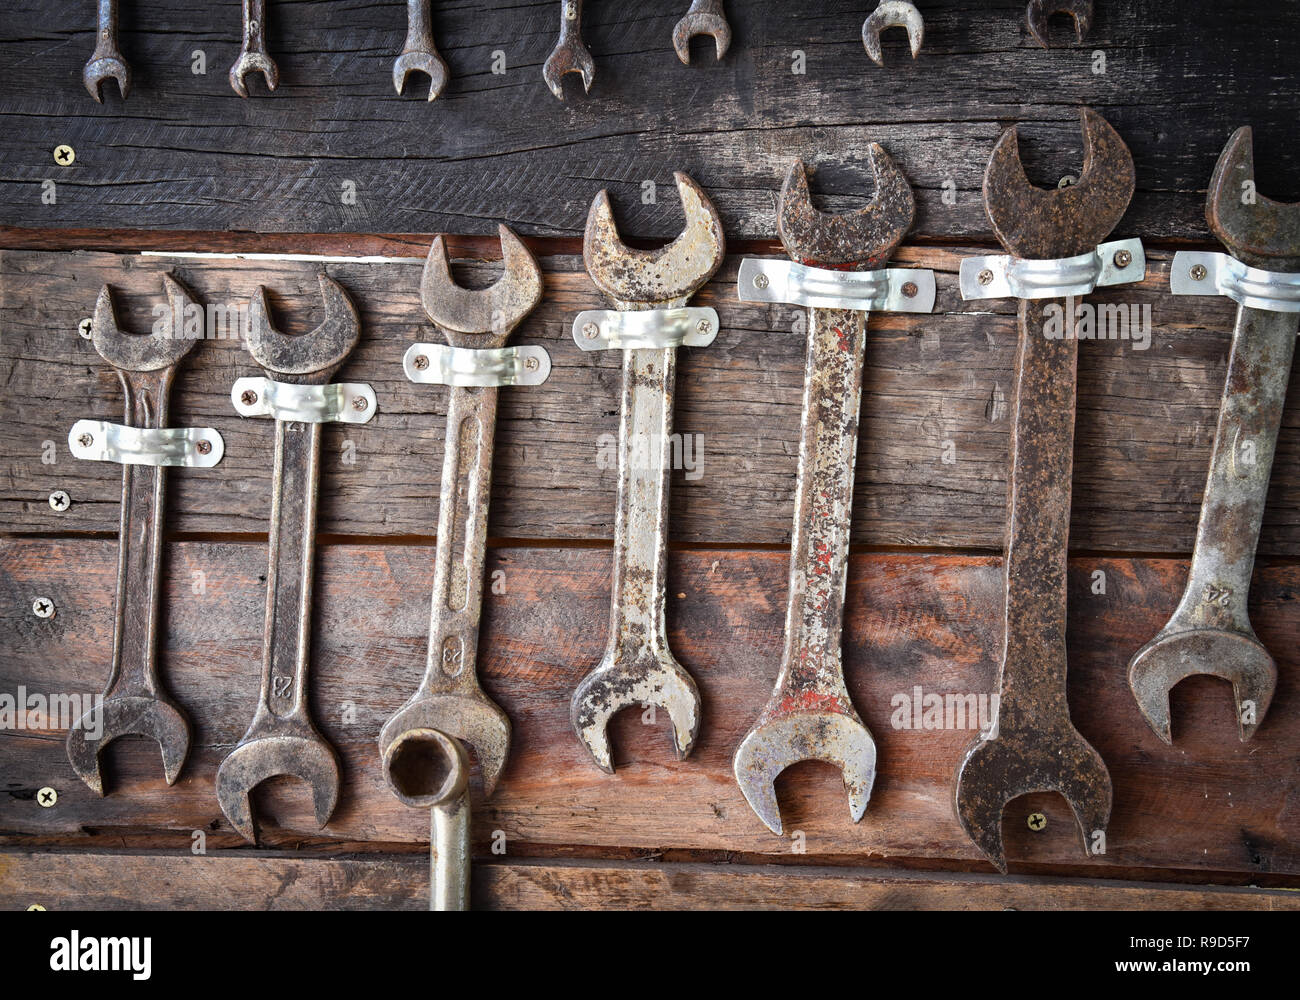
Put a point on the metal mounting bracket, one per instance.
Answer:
(1001, 276)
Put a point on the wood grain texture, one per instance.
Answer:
(936, 388)
(185, 153)
(1208, 803)
(249, 881)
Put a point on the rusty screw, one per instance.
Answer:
(1036, 822)
(204, 447)
(359, 403)
(43, 607)
(910, 290)
(421, 362)
(248, 397)
(1199, 272)
(85, 327)
(760, 281)
(1123, 258)
(59, 500)
(589, 330)
(86, 440)
(986, 277)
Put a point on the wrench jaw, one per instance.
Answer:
(430, 64)
(466, 315)
(477, 721)
(700, 23)
(253, 62)
(317, 354)
(892, 14)
(565, 59)
(1264, 234)
(99, 69)
(140, 353)
(155, 717)
(306, 756)
(1158, 667)
(1038, 11)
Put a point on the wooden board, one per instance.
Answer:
(185, 152)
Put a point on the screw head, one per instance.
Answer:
(203, 447)
(86, 440)
(359, 403)
(47, 796)
(420, 362)
(59, 500)
(1069, 180)
(86, 327)
(986, 277)
(248, 397)
(1199, 272)
(704, 326)
(910, 290)
(43, 607)
(1123, 258)
(590, 330)
(36, 906)
(1036, 822)
(760, 281)
(530, 364)
(64, 155)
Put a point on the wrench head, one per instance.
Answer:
(1037, 223)
(429, 63)
(253, 62)
(496, 310)
(1241, 660)
(1257, 230)
(156, 718)
(307, 757)
(568, 58)
(1016, 762)
(321, 351)
(646, 678)
(701, 23)
(98, 69)
(141, 352)
(474, 720)
(809, 734)
(1039, 11)
(892, 14)
(670, 273)
(858, 241)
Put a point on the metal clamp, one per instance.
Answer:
(438, 364)
(100, 441)
(1195, 273)
(889, 290)
(1000, 276)
(612, 330)
(338, 402)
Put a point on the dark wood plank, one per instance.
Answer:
(1145, 426)
(185, 153)
(1206, 804)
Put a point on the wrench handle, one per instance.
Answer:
(105, 29)
(254, 25)
(449, 855)
(419, 27)
(570, 23)
(828, 445)
(451, 666)
(1232, 510)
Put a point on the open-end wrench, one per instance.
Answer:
(106, 62)
(809, 715)
(705, 17)
(570, 55)
(1038, 11)
(892, 14)
(134, 701)
(1210, 632)
(449, 698)
(419, 54)
(1034, 746)
(253, 57)
(282, 739)
(638, 668)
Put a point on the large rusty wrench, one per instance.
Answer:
(282, 739)
(1034, 746)
(450, 698)
(705, 17)
(419, 54)
(570, 55)
(253, 57)
(638, 668)
(1210, 632)
(134, 701)
(1038, 12)
(106, 62)
(809, 715)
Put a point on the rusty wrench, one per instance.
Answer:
(705, 17)
(282, 739)
(253, 57)
(1210, 632)
(809, 715)
(570, 55)
(892, 14)
(638, 667)
(449, 698)
(1034, 746)
(106, 62)
(1038, 11)
(419, 54)
(134, 701)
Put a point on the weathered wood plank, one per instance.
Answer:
(184, 152)
(244, 881)
(1208, 803)
(932, 447)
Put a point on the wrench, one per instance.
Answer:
(253, 57)
(419, 54)
(1210, 633)
(638, 667)
(1034, 746)
(282, 739)
(570, 55)
(809, 715)
(892, 14)
(106, 62)
(1038, 11)
(449, 698)
(705, 17)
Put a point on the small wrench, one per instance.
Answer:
(134, 701)
(1034, 747)
(809, 715)
(1038, 11)
(892, 14)
(419, 54)
(282, 739)
(449, 698)
(253, 57)
(106, 62)
(705, 17)
(570, 55)
(1210, 632)
(638, 667)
